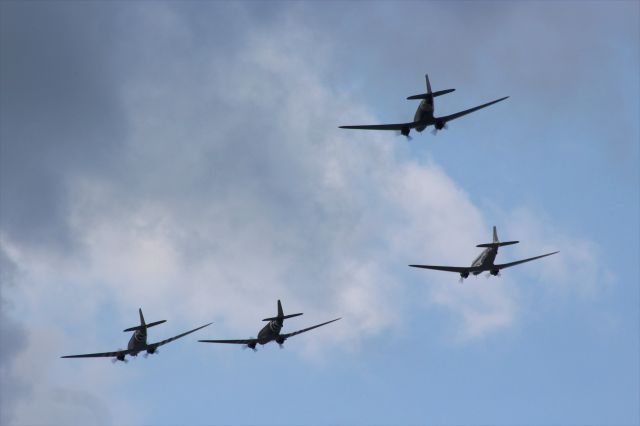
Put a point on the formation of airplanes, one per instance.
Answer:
(138, 341)
(271, 332)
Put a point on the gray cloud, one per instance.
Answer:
(192, 152)
(12, 336)
(59, 113)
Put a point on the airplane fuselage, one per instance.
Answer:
(424, 114)
(485, 260)
(270, 332)
(138, 342)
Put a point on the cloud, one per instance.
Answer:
(208, 183)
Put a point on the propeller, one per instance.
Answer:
(252, 348)
(115, 359)
(399, 133)
(146, 354)
(460, 280)
(434, 131)
(281, 345)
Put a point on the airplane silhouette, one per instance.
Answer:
(271, 331)
(424, 114)
(137, 343)
(484, 262)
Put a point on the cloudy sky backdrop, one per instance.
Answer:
(186, 158)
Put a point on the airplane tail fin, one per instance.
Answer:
(281, 316)
(143, 325)
(496, 242)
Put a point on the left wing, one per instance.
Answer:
(235, 342)
(447, 118)
(171, 339)
(458, 269)
(287, 335)
(398, 126)
(101, 354)
(517, 262)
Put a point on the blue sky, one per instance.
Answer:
(186, 158)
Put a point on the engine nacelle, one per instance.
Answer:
(405, 131)
(280, 340)
(151, 351)
(494, 272)
(120, 357)
(464, 275)
(439, 124)
(251, 345)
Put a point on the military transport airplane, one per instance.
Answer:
(424, 114)
(271, 331)
(137, 343)
(484, 262)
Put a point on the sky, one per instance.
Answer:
(185, 158)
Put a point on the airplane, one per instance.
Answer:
(271, 331)
(137, 343)
(484, 262)
(424, 114)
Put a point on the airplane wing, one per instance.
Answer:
(398, 126)
(236, 342)
(171, 339)
(287, 335)
(447, 118)
(458, 269)
(100, 354)
(517, 262)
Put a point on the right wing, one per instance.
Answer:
(447, 118)
(518, 262)
(100, 354)
(287, 335)
(171, 339)
(236, 342)
(397, 126)
(458, 269)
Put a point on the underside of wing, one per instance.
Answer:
(171, 339)
(100, 354)
(397, 126)
(518, 262)
(447, 118)
(287, 335)
(458, 269)
(235, 342)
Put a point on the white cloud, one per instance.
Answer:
(235, 188)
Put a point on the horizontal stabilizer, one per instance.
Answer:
(282, 317)
(143, 327)
(434, 94)
(506, 243)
